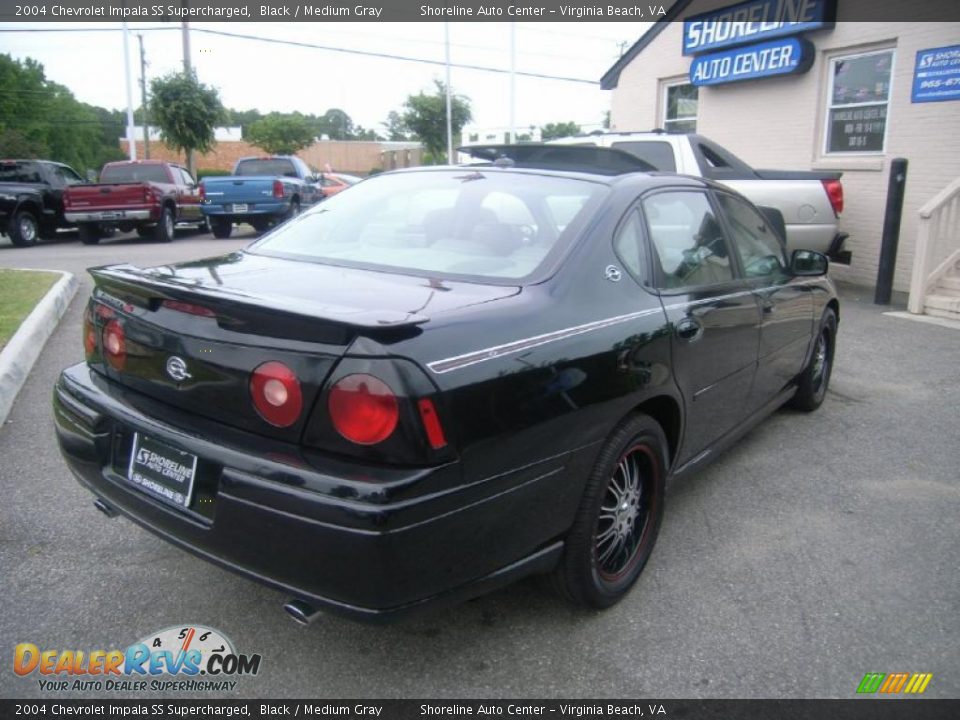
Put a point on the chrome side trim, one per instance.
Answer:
(497, 351)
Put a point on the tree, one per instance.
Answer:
(426, 116)
(186, 111)
(41, 119)
(336, 124)
(395, 128)
(281, 134)
(552, 131)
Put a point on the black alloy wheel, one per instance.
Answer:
(815, 378)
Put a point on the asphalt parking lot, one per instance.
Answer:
(820, 548)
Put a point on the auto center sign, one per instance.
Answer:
(762, 35)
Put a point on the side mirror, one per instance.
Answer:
(808, 263)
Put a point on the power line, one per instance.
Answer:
(389, 56)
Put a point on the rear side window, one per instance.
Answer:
(24, 172)
(688, 240)
(629, 244)
(134, 174)
(658, 154)
(493, 225)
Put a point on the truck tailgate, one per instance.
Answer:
(107, 195)
(250, 190)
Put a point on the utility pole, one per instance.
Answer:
(131, 141)
(513, 82)
(446, 43)
(187, 69)
(143, 99)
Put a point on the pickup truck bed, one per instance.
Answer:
(810, 201)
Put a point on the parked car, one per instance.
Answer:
(31, 198)
(262, 191)
(810, 201)
(149, 196)
(332, 183)
(446, 379)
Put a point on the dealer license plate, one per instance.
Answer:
(162, 471)
(240, 207)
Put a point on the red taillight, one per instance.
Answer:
(115, 345)
(203, 192)
(189, 308)
(89, 334)
(431, 423)
(363, 409)
(835, 193)
(277, 189)
(276, 394)
(147, 194)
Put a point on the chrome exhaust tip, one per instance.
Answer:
(302, 613)
(104, 508)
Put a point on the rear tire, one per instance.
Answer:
(221, 228)
(619, 517)
(164, 229)
(261, 224)
(25, 229)
(815, 378)
(90, 233)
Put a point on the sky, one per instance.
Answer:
(272, 77)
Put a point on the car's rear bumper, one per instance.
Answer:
(347, 540)
(254, 209)
(111, 215)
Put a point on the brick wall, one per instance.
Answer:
(353, 157)
(779, 123)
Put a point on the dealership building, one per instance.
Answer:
(811, 85)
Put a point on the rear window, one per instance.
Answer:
(465, 223)
(658, 154)
(134, 174)
(266, 166)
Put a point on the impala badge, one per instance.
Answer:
(177, 369)
(612, 273)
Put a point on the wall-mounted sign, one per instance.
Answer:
(936, 76)
(755, 20)
(787, 56)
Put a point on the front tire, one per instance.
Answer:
(25, 229)
(90, 233)
(164, 229)
(815, 378)
(619, 517)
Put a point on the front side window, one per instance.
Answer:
(477, 224)
(758, 248)
(688, 239)
(680, 108)
(859, 94)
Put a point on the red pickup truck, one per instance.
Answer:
(149, 195)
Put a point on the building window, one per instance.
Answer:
(857, 108)
(680, 108)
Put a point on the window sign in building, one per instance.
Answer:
(753, 21)
(936, 76)
(788, 56)
(859, 94)
(680, 108)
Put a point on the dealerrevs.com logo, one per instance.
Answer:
(186, 658)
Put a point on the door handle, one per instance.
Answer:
(689, 329)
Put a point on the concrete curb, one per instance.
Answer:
(19, 355)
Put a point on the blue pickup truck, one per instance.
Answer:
(262, 191)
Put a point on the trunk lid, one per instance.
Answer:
(223, 317)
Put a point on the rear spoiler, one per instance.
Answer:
(571, 158)
(151, 285)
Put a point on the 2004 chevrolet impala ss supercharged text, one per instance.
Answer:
(444, 379)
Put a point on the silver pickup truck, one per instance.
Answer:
(810, 201)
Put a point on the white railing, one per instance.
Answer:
(938, 244)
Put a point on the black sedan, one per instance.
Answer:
(446, 379)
